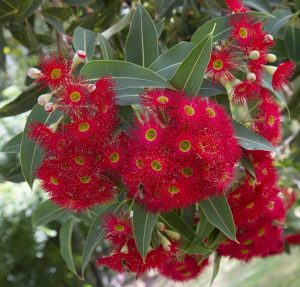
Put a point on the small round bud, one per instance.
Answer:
(251, 77)
(160, 226)
(254, 55)
(270, 69)
(172, 234)
(49, 107)
(269, 39)
(44, 99)
(271, 58)
(34, 73)
(79, 57)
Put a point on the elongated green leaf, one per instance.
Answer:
(222, 29)
(27, 8)
(118, 27)
(13, 145)
(78, 2)
(167, 64)
(23, 103)
(208, 89)
(218, 213)
(143, 224)
(250, 140)
(31, 154)
(260, 5)
(65, 241)
(292, 43)
(105, 47)
(217, 262)
(14, 175)
(85, 40)
(267, 83)
(176, 223)
(281, 17)
(56, 16)
(96, 232)
(46, 213)
(204, 228)
(189, 75)
(159, 27)
(141, 45)
(247, 164)
(8, 11)
(130, 78)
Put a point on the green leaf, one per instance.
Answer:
(13, 145)
(85, 40)
(247, 164)
(143, 224)
(118, 27)
(209, 89)
(267, 83)
(27, 8)
(14, 175)
(204, 228)
(217, 262)
(105, 47)
(65, 241)
(250, 140)
(96, 232)
(223, 27)
(56, 16)
(46, 213)
(167, 64)
(176, 223)
(78, 2)
(159, 27)
(8, 10)
(2, 46)
(141, 46)
(23, 103)
(218, 213)
(260, 5)
(130, 78)
(292, 43)
(282, 16)
(31, 154)
(189, 75)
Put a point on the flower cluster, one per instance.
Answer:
(184, 151)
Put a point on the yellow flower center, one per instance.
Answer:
(173, 189)
(119, 227)
(189, 110)
(261, 231)
(156, 165)
(211, 112)
(139, 163)
(162, 100)
(79, 160)
(150, 135)
(218, 64)
(245, 251)
(75, 96)
(185, 146)
(187, 171)
(54, 180)
(271, 121)
(243, 32)
(84, 127)
(55, 74)
(85, 179)
(114, 157)
(250, 205)
(248, 242)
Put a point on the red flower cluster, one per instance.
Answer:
(183, 152)
(258, 212)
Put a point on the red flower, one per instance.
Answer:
(245, 91)
(293, 239)
(282, 74)
(235, 6)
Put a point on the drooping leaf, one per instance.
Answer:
(167, 64)
(259, 5)
(204, 228)
(14, 175)
(65, 242)
(46, 213)
(291, 37)
(13, 145)
(85, 40)
(217, 262)
(130, 78)
(218, 213)
(105, 47)
(250, 140)
(281, 17)
(190, 73)
(143, 224)
(56, 16)
(23, 103)
(31, 154)
(141, 45)
(118, 27)
(96, 233)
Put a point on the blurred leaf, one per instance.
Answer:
(250, 140)
(165, 7)
(267, 83)
(85, 40)
(13, 145)
(65, 242)
(22, 103)
(8, 10)
(208, 89)
(130, 78)
(46, 213)
(291, 37)
(282, 15)
(2, 45)
(15, 175)
(176, 223)
(167, 64)
(27, 8)
(218, 213)
(190, 73)
(118, 27)
(56, 16)
(159, 27)
(78, 2)
(31, 154)
(143, 224)
(105, 47)
(217, 261)
(141, 46)
(260, 5)
(247, 164)
(297, 4)
(96, 232)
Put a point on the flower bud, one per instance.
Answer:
(78, 58)
(124, 249)
(49, 107)
(172, 234)
(44, 99)
(270, 69)
(160, 226)
(254, 55)
(34, 73)
(271, 58)
(251, 77)
(269, 39)
(166, 244)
